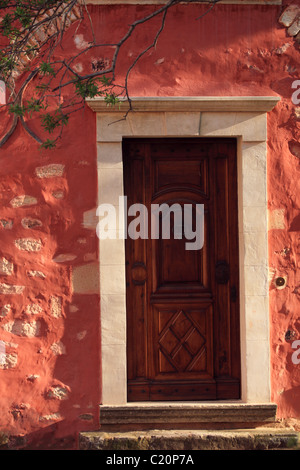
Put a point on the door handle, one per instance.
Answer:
(138, 273)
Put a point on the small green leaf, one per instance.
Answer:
(48, 144)
(111, 99)
(51, 122)
(43, 86)
(17, 109)
(47, 69)
(87, 89)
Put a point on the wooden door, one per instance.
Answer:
(182, 305)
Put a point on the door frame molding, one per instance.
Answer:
(242, 117)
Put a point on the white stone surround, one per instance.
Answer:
(241, 117)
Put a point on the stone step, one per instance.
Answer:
(186, 415)
(185, 440)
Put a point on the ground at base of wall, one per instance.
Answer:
(291, 423)
(191, 440)
(290, 429)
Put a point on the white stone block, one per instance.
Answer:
(110, 184)
(257, 364)
(114, 379)
(254, 191)
(182, 124)
(112, 252)
(257, 321)
(147, 124)
(256, 280)
(112, 279)
(109, 155)
(254, 219)
(113, 319)
(255, 248)
(112, 127)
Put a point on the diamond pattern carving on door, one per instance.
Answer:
(182, 344)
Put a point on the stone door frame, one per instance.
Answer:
(242, 117)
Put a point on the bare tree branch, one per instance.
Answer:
(27, 60)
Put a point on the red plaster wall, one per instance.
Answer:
(234, 50)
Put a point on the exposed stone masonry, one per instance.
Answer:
(290, 18)
(35, 285)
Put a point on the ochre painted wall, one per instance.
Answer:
(51, 380)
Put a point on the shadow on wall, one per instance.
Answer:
(295, 225)
(291, 401)
(37, 440)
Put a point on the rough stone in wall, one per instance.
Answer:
(62, 258)
(31, 223)
(32, 377)
(33, 309)
(21, 201)
(86, 416)
(43, 32)
(6, 267)
(294, 29)
(60, 393)
(59, 194)
(34, 273)
(9, 361)
(20, 328)
(10, 289)
(51, 417)
(58, 348)
(56, 307)
(6, 224)
(290, 18)
(81, 335)
(73, 308)
(28, 244)
(289, 15)
(90, 219)
(4, 311)
(50, 171)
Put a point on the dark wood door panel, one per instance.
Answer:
(175, 269)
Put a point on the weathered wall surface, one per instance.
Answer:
(50, 372)
(49, 302)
